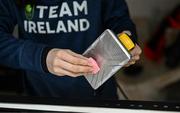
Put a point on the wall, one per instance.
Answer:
(147, 14)
(147, 8)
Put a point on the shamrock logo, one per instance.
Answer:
(29, 11)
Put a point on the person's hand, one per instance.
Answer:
(65, 62)
(135, 55)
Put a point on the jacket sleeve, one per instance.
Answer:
(116, 17)
(17, 53)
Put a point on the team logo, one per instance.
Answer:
(29, 11)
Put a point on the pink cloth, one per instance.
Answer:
(95, 65)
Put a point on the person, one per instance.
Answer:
(52, 37)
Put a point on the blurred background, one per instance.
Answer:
(156, 77)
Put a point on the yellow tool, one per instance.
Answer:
(126, 41)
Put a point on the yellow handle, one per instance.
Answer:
(127, 42)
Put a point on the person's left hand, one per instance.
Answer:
(135, 55)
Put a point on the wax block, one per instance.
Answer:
(95, 65)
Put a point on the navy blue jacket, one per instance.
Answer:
(65, 24)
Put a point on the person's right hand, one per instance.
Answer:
(65, 62)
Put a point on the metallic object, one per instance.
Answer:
(110, 55)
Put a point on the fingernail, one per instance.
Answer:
(90, 64)
(92, 70)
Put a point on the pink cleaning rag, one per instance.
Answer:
(94, 64)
